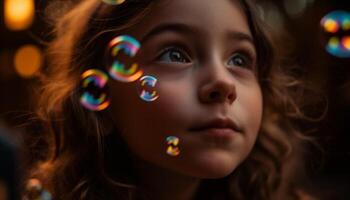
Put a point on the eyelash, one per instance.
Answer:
(247, 56)
(176, 49)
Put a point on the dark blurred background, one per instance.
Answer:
(25, 28)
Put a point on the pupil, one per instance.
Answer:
(175, 56)
(238, 61)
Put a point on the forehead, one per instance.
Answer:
(213, 17)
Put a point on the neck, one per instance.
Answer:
(159, 183)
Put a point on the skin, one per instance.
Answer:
(210, 74)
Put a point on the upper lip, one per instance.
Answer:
(219, 123)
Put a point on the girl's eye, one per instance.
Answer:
(240, 60)
(172, 55)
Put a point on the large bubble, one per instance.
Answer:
(118, 70)
(94, 96)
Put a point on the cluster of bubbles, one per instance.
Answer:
(95, 80)
(337, 25)
(172, 149)
(94, 96)
(35, 191)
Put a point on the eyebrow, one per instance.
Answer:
(185, 29)
(166, 27)
(236, 35)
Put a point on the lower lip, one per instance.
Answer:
(217, 133)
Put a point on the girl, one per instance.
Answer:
(204, 111)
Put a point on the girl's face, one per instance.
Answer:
(202, 54)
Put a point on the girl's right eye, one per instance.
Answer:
(173, 55)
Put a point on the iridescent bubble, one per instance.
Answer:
(148, 81)
(336, 25)
(173, 149)
(113, 2)
(98, 80)
(118, 71)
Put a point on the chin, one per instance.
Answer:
(214, 174)
(214, 166)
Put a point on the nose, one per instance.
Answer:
(218, 87)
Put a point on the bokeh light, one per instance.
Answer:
(34, 184)
(331, 26)
(336, 25)
(270, 13)
(3, 191)
(28, 60)
(35, 190)
(19, 14)
(346, 42)
(333, 43)
(295, 8)
(346, 24)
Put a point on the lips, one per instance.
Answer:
(217, 124)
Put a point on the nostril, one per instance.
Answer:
(231, 97)
(214, 95)
(218, 92)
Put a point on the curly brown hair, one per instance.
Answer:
(75, 138)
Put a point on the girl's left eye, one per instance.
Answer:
(173, 55)
(240, 60)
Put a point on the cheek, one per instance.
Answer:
(251, 103)
(145, 125)
(135, 120)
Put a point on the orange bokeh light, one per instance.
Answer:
(19, 14)
(28, 60)
(346, 42)
(331, 26)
